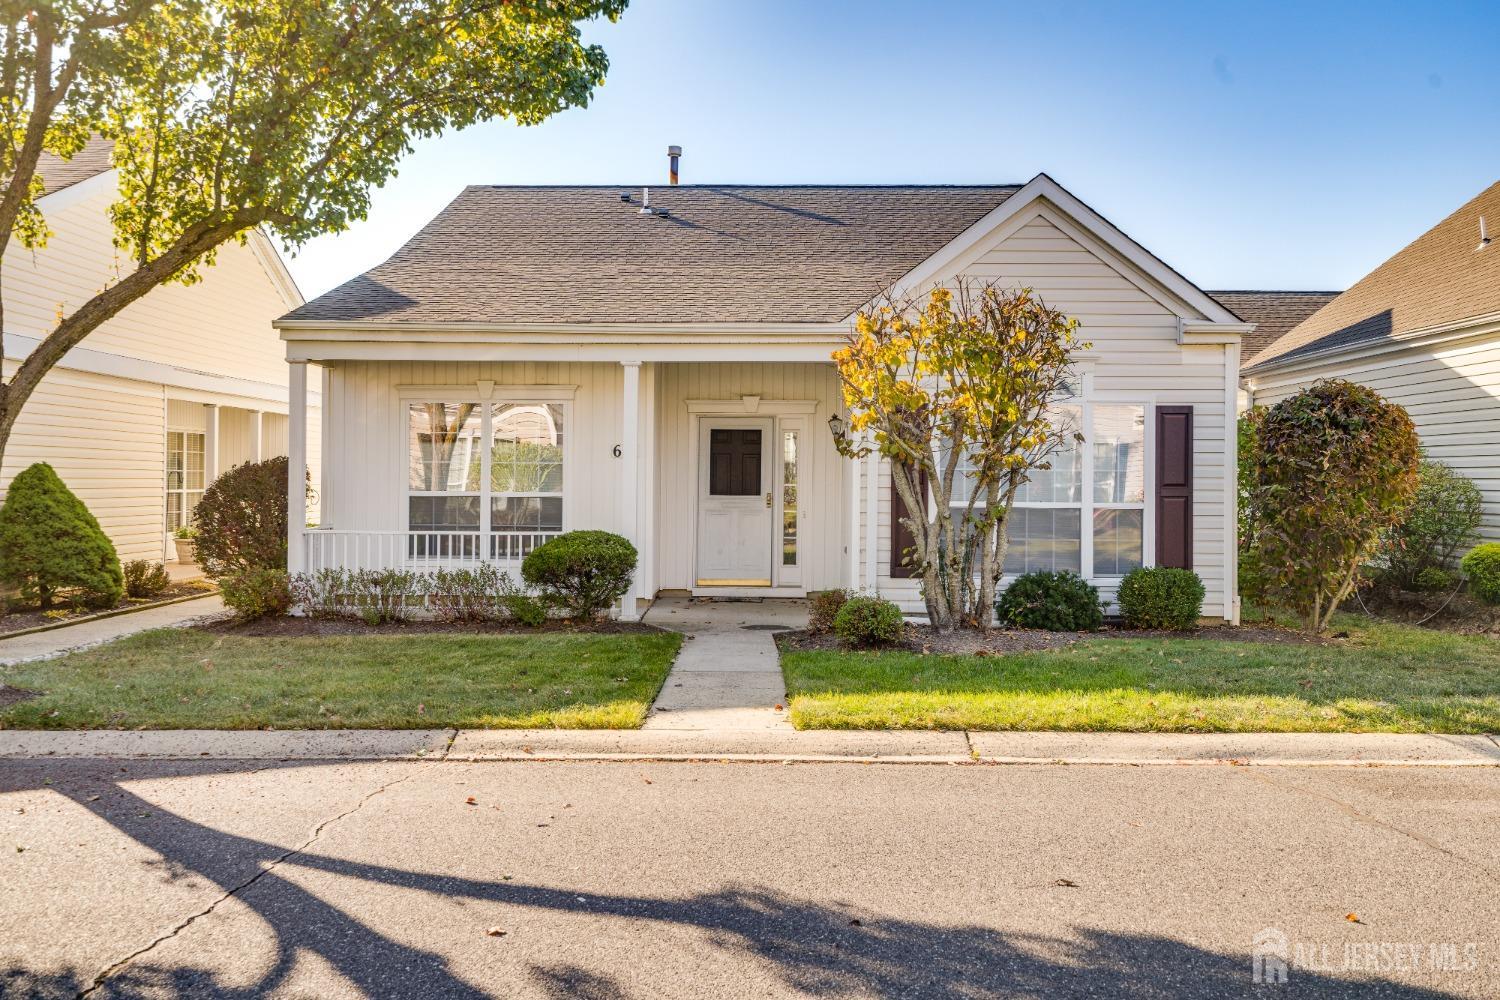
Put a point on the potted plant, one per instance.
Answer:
(186, 540)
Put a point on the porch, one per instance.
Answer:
(721, 473)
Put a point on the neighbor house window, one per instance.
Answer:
(483, 469)
(185, 450)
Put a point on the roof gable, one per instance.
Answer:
(1440, 279)
(725, 254)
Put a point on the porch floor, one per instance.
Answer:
(728, 675)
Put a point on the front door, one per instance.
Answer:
(735, 502)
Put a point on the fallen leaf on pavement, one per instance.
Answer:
(471, 801)
(496, 932)
(645, 779)
(1353, 918)
(1065, 883)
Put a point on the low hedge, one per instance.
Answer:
(582, 572)
(1482, 567)
(1056, 602)
(869, 621)
(1161, 597)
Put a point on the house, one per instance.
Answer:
(657, 363)
(183, 384)
(1272, 312)
(1423, 330)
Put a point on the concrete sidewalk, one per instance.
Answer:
(727, 677)
(56, 642)
(774, 745)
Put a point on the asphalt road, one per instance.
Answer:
(137, 879)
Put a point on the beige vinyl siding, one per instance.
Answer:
(1134, 357)
(106, 438)
(221, 325)
(1452, 393)
(366, 447)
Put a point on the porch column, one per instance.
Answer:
(872, 522)
(851, 560)
(257, 436)
(296, 469)
(630, 486)
(211, 440)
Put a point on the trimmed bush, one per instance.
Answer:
(1056, 602)
(822, 607)
(1161, 597)
(1335, 472)
(257, 593)
(379, 596)
(1441, 522)
(1482, 567)
(466, 595)
(523, 609)
(51, 545)
(145, 579)
(241, 519)
(583, 572)
(869, 621)
(1434, 578)
(321, 594)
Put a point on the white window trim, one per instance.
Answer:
(167, 489)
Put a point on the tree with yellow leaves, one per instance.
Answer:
(957, 390)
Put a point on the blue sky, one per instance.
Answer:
(1249, 145)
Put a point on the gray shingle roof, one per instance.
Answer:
(1273, 313)
(727, 253)
(1440, 278)
(90, 161)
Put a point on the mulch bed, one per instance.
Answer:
(25, 618)
(1459, 613)
(303, 627)
(997, 642)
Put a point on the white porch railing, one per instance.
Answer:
(337, 548)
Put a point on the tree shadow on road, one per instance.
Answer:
(800, 946)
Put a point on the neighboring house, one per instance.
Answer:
(1273, 313)
(184, 383)
(541, 359)
(1423, 330)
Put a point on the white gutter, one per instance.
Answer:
(1475, 326)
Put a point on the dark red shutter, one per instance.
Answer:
(1174, 486)
(901, 536)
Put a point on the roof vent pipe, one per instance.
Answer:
(1484, 235)
(645, 201)
(674, 153)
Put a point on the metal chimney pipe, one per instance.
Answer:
(674, 153)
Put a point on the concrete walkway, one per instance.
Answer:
(768, 743)
(56, 642)
(728, 676)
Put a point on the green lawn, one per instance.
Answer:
(187, 679)
(1384, 678)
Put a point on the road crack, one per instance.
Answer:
(265, 869)
(1356, 813)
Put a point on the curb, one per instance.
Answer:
(763, 746)
(102, 615)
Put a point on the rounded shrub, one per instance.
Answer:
(241, 519)
(1161, 597)
(51, 545)
(869, 621)
(1057, 602)
(1482, 567)
(583, 572)
(1432, 579)
(257, 593)
(145, 579)
(823, 607)
(1441, 521)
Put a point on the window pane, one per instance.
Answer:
(174, 511)
(1119, 454)
(1118, 538)
(526, 513)
(527, 455)
(444, 513)
(443, 447)
(1063, 482)
(789, 498)
(1043, 538)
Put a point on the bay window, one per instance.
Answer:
(485, 480)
